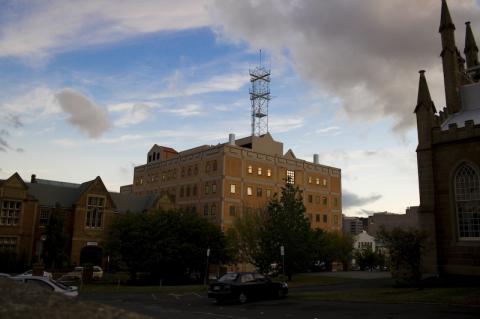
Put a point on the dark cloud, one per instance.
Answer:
(4, 143)
(350, 200)
(84, 114)
(14, 121)
(20, 150)
(366, 52)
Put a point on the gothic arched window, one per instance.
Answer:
(467, 202)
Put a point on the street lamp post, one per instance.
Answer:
(282, 253)
(206, 268)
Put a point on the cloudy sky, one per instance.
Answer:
(88, 86)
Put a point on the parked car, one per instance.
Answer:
(71, 279)
(97, 271)
(47, 284)
(3, 275)
(46, 274)
(246, 286)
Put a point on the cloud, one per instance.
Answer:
(187, 110)
(366, 53)
(330, 129)
(282, 124)
(350, 200)
(36, 30)
(84, 114)
(39, 101)
(14, 120)
(131, 114)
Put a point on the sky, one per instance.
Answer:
(87, 87)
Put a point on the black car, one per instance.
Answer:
(245, 286)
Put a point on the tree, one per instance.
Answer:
(332, 246)
(285, 225)
(367, 258)
(56, 241)
(406, 249)
(168, 245)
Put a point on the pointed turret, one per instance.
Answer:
(451, 60)
(425, 112)
(471, 49)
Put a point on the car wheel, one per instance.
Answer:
(242, 298)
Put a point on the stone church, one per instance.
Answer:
(448, 156)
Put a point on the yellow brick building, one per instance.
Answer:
(222, 181)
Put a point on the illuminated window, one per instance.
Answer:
(214, 188)
(324, 182)
(233, 188)
(95, 207)
(317, 181)
(10, 214)
(259, 171)
(9, 243)
(250, 169)
(44, 216)
(207, 188)
(268, 193)
(249, 191)
(467, 202)
(269, 172)
(290, 177)
(309, 179)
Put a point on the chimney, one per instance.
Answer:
(231, 139)
(315, 159)
(33, 179)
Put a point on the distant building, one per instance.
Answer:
(364, 241)
(351, 225)
(389, 221)
(448, 157)
(89, 209)
(224, 181)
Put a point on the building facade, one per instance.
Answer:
(224, 181)
(448, 156)
(390, 221)
(352, 225)
(88, 209)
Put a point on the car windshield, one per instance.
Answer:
(228, 277)
(59, 284)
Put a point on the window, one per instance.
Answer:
(290, 177)
(205, 210)
(207, 167)
(214, 188)
(317, 218)
(194, 190)
(467, 202)
(8, 243)
(317, 181)
(189, 171)
(10, 214)
(259, 171)
(325, 201)
(213, 210)
(324, 182)
(317, 199)
(250, 169)
(268, 193)
(259, 192)
(149, 158)
(163, 178)
(335, 219)
(232, 188)
(183, 172)
(249, 191)
(214, 165)
(188, 191)
(232, 211)
(309, 179)
(195, 169)
(269, 172)
(310, 198)
(335, 202)
(181, 191)
(207, 188)
(325, 220)
(44, 216)
(95, 206)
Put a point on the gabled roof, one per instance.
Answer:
(290, 154)
(133, 203)
(50, 195)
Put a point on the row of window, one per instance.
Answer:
(323, 218)
(210, 210)
(10, 212)
(316, 180)
(260, 171)
(324, 200)
(8, 243)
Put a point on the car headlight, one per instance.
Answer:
(284, 285)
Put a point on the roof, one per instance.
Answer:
(133, 203)
(51, 194)
(470, 96)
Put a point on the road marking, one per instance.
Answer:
(195, 294)
(177, 296)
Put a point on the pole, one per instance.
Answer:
(282, 252)
(205, 279)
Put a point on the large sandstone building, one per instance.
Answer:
(448, 156)
(223, 181)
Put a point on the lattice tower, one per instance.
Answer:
(260, 97)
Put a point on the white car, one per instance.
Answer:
(47, 284)
(97, 271)
(28, 273)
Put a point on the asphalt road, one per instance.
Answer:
(198, 306)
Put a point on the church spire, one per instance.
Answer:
(424, 98)
(451, 61)
(471, 49)
(445, 20)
